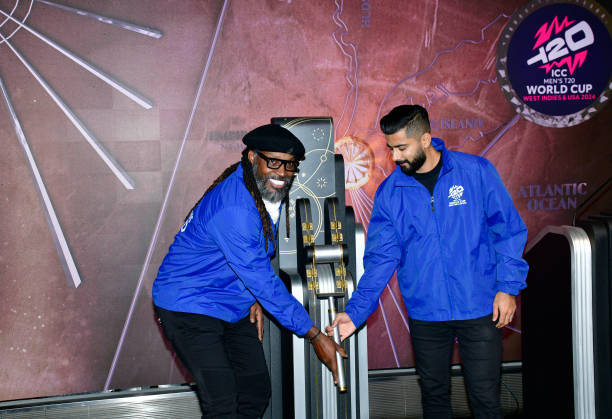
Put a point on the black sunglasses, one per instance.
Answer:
(290, 165)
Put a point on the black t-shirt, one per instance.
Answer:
(429, 179)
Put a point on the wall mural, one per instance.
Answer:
(115, 116)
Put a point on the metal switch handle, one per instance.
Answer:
(339, 360)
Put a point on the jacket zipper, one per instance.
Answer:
(450, 299)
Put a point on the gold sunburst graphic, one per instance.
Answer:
(358, 161)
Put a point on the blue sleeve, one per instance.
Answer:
(239, 235)
(381, 258)
(507, 232)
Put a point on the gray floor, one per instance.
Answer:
(393, 394)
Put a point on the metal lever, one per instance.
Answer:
(339, 360)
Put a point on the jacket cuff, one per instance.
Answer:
(512, 289)
(304, 329)
(355, 318)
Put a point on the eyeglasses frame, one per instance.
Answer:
(283, 162)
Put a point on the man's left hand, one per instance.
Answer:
(326, 349)
(504, 307)
(256, 316)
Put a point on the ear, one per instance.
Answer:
(426, 140)
(251, 156)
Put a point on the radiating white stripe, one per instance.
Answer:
(106, 157)
(135, 96)
(143, 30)
(56, 229)
(162, 211)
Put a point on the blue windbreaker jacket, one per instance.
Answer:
(218, 265)
(453, 252)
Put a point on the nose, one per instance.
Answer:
(396, 155)
(281, 171)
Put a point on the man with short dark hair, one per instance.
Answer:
(446, 222)
(217, 271)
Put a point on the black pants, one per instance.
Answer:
(226, 360)
(480, 350)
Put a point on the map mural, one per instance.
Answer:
(115, 116)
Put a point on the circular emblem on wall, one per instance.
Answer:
(358, 161)
(554, 61)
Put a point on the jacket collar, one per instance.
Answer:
(239, 171)
(402, 179)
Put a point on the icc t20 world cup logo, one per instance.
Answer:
(555, 61)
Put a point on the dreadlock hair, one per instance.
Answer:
(251, 185)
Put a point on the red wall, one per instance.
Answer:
(353, 61)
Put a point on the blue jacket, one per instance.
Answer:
(453, 252)
(218, 265)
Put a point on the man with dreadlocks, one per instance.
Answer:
(218, 268)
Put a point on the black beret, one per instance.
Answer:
(275, 138)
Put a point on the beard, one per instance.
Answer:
(415, 164)
(276, 195)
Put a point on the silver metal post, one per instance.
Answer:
(332, 315)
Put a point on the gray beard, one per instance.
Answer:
(267, 194)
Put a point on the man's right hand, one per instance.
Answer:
(345, 325)
(326, 348)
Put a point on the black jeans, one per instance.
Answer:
(226, 360)
(480, 350)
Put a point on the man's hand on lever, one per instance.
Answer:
(256, 316)
(345, 325)
(326, 348)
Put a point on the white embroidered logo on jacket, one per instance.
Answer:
(454, 193)
(187, 221)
